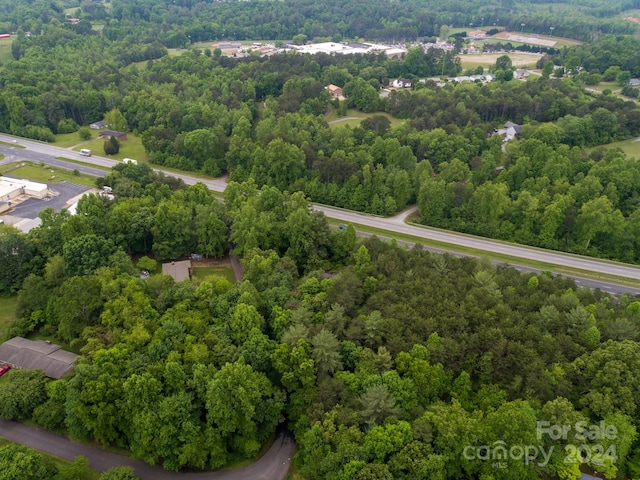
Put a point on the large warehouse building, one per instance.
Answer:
(12, 188)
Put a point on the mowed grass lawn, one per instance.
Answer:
(5, 50)
(487, 59)
(129, 148)
(7, 312)
(630, 147)
(224, 271)
(46, 174)
(354, 117)
(68, 140)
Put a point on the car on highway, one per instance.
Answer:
(4, 369)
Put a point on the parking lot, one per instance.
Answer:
(31, 207)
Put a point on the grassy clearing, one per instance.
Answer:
(46, 174)
(224, 271)
(5, 50)
(58, 462)
(7, 312)
(489, 59)
(129, 148)
(630, 147)
(535, 39)
(68, 140)
(354, 117)
(602, 86)
(494, 256)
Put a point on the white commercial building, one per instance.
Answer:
(332, 48)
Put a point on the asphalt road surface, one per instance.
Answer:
(273, 465)
(43, 152)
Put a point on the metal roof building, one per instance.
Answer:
(37, 355)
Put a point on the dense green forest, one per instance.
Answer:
(263, 118)
(385, 362)
(173, 23)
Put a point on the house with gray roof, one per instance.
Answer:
(37, 355)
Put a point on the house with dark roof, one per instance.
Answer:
(37, 355)
(98, 125)
(112, 133)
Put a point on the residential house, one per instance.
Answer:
(634, 82)
(37, 355)
(98, 125)
(178, 270)
(335, 91)
(401, 83)
(112, 133)
(521, 74)
(510, 131)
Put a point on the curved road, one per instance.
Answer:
(273, 465)
(43, 152)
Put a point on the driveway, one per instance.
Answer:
(273, 465)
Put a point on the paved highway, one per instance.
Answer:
(273, 465)
(43, 152)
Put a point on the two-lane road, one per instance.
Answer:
(273, 465)
(43, 152)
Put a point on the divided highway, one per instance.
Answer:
(42, 152)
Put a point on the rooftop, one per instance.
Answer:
(178, 270)
(111, 133)
(10, 184)
(37, 355)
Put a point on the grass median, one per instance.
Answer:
(472, 252)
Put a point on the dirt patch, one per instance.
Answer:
(633, 19)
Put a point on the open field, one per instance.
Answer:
(46, 174)
(630, 147)
(129, 148)
(5, 50)
(535, 39)
(354, 117)
(68, 140)
(7, 312)
(487, 59)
